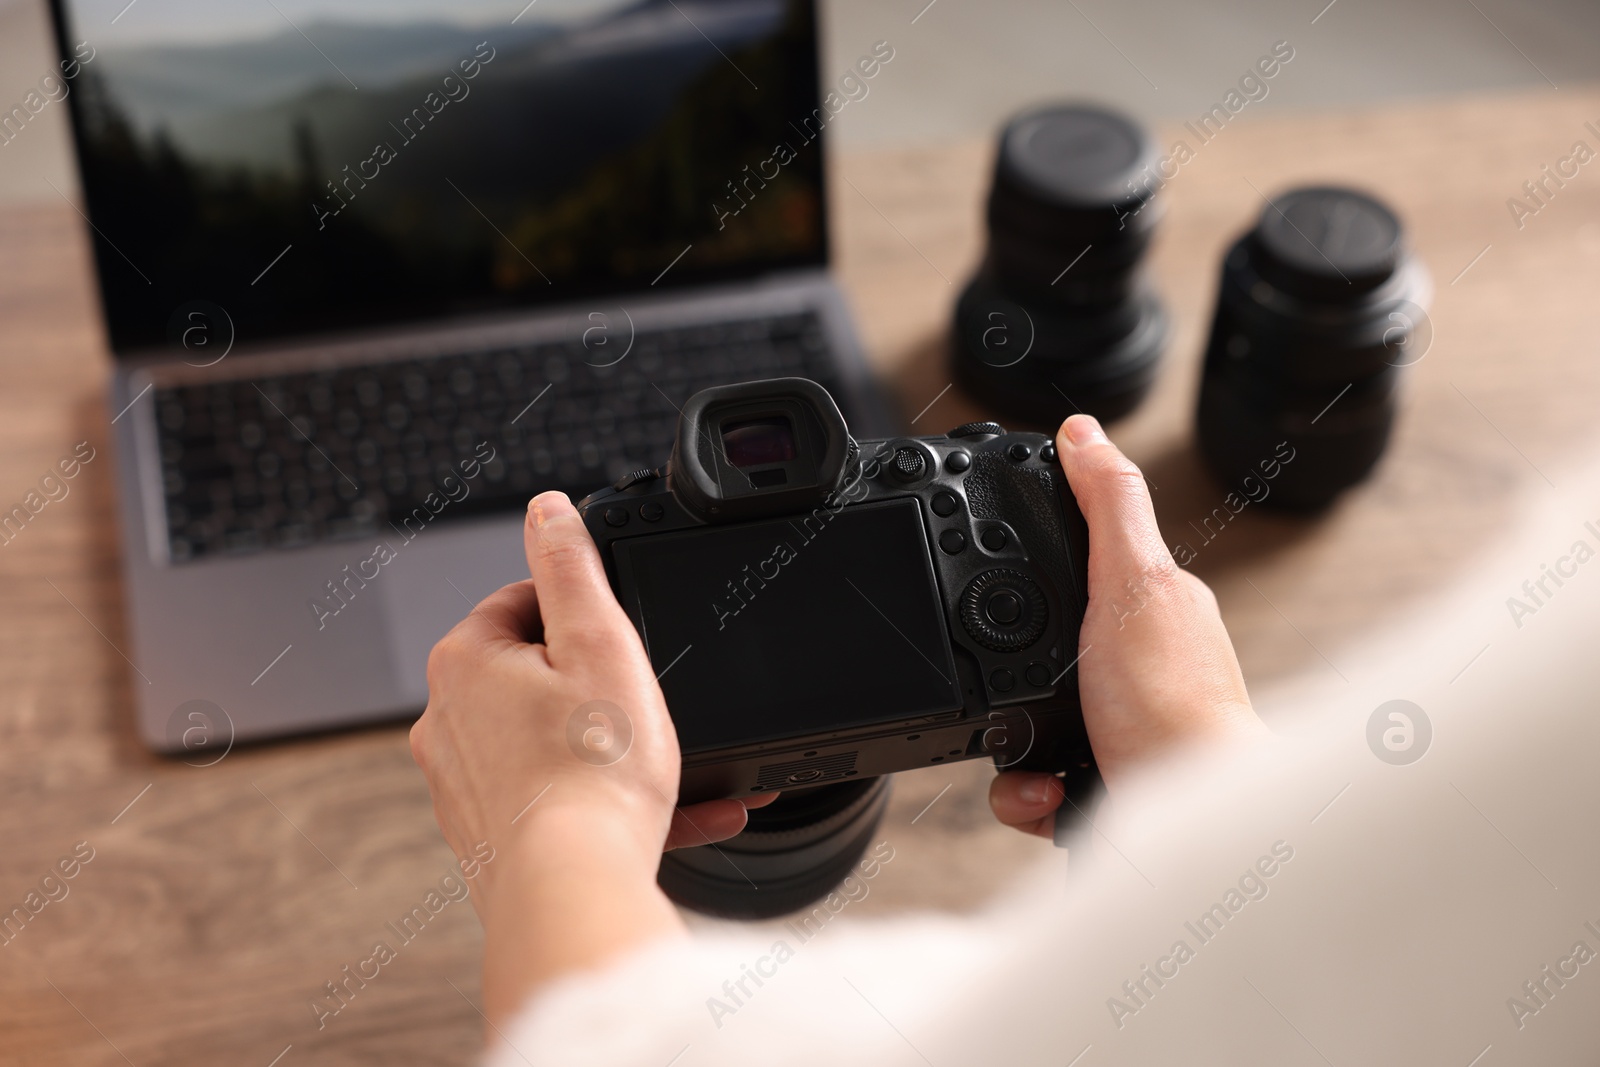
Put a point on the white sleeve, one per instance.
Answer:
(800, 996)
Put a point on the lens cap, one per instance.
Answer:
(1073, 173)
(1326, 243)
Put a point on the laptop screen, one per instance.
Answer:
(316, 165)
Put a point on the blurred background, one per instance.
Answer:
(1166, 61)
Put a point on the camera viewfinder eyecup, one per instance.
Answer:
(759, 448)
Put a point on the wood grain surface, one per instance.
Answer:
(221, 900)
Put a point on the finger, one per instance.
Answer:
(1026, 800)
(509, 615)
(506, 619)
(705, 823)
(758, 800)
(1124, 541)
(576, 601)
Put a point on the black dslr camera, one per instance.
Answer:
(823, 612)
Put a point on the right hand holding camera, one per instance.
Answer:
(1157, 671)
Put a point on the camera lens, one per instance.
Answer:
(1060, 317)
(793, 851)
(1318, 315)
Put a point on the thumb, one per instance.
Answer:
(1124, 541)
(576, 604)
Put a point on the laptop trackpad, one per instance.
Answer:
(436, 578)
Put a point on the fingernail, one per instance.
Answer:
(1083, 430)
(547, 506)
(1037, 791)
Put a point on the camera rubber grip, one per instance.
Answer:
(1040, 508)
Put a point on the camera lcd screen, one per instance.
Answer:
(788, 627)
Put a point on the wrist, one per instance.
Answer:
(612, 827)
(575, 890)
(1231, 728)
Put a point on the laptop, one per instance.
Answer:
(374, 275)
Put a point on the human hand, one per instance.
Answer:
(1156, 670)
(577, 837)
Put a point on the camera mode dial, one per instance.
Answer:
(1004, 610)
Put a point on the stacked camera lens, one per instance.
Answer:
(1318, 315)
(1061, 317)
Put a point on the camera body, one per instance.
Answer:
(820, 610)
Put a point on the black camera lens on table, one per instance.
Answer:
(1061, 317)
(1319, 313)
(823, 613)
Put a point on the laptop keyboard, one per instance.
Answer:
(297, 459)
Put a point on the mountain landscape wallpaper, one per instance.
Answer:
(424, 167)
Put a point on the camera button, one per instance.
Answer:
(1004, 607)
(650, 511)
(1004, 610)
(994, 538)
(1038, 675)
(616, 516)
(1002, 680)
(957, 462)
(908, 465)
(1047, 452)
(952, 541)
(944, 504)
(1019, 452)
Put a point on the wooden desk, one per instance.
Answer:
(224, 897)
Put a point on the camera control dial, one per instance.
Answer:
(974, 429)
(1004, 610)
